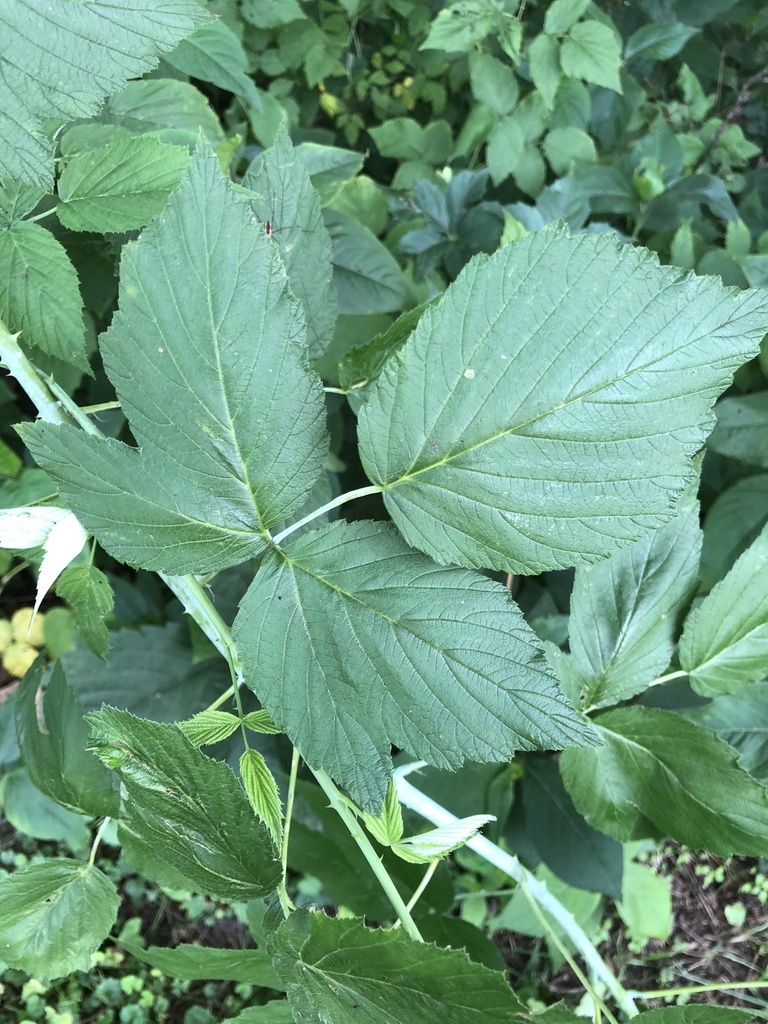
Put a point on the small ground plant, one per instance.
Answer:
(539, 406)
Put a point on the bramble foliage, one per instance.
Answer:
(479, 275)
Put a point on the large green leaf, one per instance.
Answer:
(577, 854)
(734, 521)
(284, 197)
(189, 806)
(742, 429)
(366, 273)
(57, 760)
(724, 644)
(740, 719)
(120, 186)
(625, 610)
(675, 773)
(203, 963)
(59, 60)
(36, 815)
(206, 354)
(352, 642)
(149, 672)
(39, 293)
(55, 915)
(340, 971)
(545, 411)
(213, 53)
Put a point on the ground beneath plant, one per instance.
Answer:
(703, 948)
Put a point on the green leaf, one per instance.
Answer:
(149, 672)
(646, 906)
(271, 13)
(209, 727)
(540, 414)
(387, 647)
(437, 843)
(460, 27)
(329, 167)
(175, 110)
(565, 146)
(625, 610)
(400, 138)
(741, 431)
(505, 146)
(562, 14)
(695, 1014)
(577, 854)
(55, 915)
(591, 52)
(120, 187)
(364, 363)
(87, 592)
(261, 790)
(341, 971)
(181, 802)
(367, 276)
(734, 521)
(387, 827)
(212, 472)
(658, 41)
(17, 200)
(275, 1011)
(35, 814)
(544, 66)
(213, 53)
(676, 774)
(64, 65)
(261, 721)
(724, 644)
(284, 196)
(740, 719)
(40, 294)
(57, 760)
(197, 963)
(493, 83)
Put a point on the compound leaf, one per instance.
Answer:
(207, 356)
(341, 971)
(189, 806)
(352, 642)
(675, 773)
(545, 410)
(55, 915)
(62, 59)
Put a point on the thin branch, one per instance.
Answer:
(735, 112)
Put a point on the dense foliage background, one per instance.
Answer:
(431, 133)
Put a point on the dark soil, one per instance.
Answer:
(703, 948)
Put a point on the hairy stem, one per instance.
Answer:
(339, 805)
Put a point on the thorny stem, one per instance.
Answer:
(285, 901)
(338, 803)
(361, 492)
